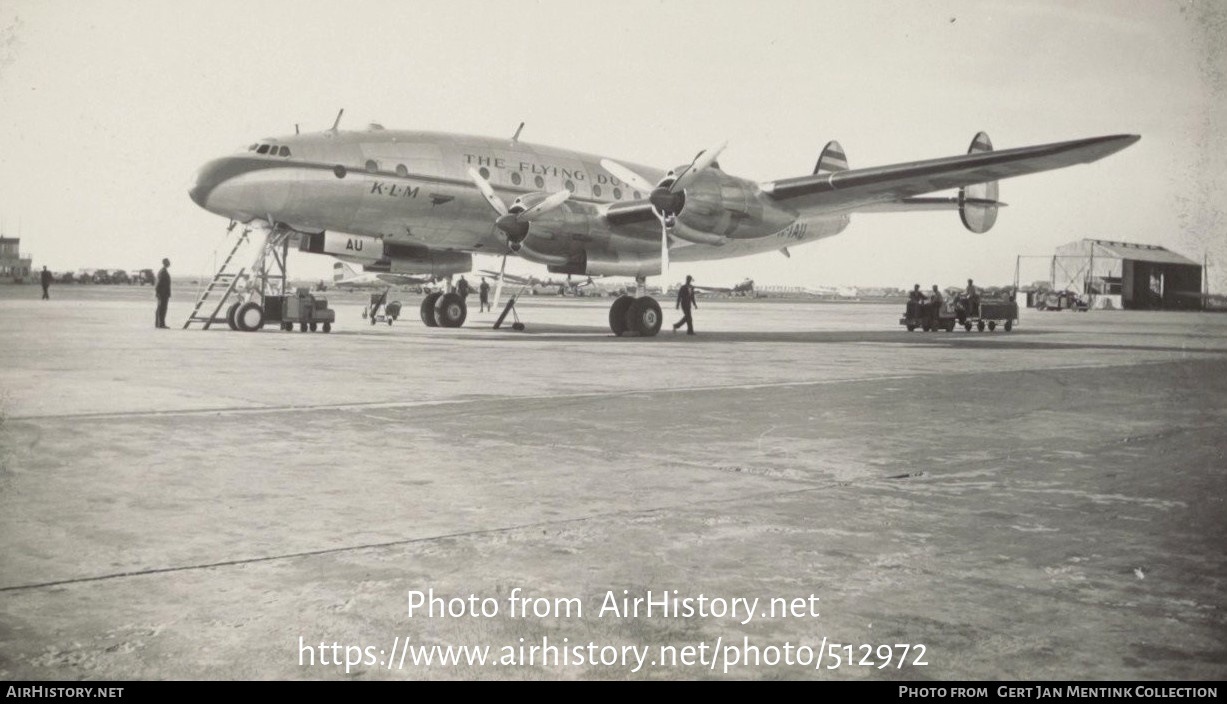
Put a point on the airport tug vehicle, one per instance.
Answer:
(921, 315)
(304, 309)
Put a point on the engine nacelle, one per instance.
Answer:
(339, 244)
(606, 263)
(723, 205)
(377, 255)
(410, 259)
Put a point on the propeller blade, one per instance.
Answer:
(624, 174)
(488, 191)
(664, 251)
(544, 206)
(498, 284)
(703, 160)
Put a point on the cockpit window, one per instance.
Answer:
(284, 151)
(263, 149)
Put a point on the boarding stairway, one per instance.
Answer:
(228, 283)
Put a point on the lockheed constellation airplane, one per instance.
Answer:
(424, 202)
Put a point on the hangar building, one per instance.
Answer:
(1144, 276)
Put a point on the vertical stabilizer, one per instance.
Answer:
(832, 159)
(978, 202)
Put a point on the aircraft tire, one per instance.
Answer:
(644, 317)
(980, 326)
(428, 309)
(451, 311)
(327, 327)
(234, 307)
(992, 325)
(617, 314)
(1009, 325)
(249, 317)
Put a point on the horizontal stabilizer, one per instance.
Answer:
(912, 205)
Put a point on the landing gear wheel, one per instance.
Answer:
(249, 317)
(389, 322)
(287, 327)
(302, 327)
(312, 327)
(234, 308)
(1009, 325)
(925, 327)
(617, 314)
(428, 309)
(327, 327)
(980, 325)
(451, 311)
(967, 326)
(992, 325)
(644, 317)
(910, 327)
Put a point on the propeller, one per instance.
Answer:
(513, 221)
(667, 197)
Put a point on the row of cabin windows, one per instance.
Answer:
(372, 167)
(539, 182)
(269, 149)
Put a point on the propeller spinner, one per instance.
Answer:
(514, 221)
(667, 197)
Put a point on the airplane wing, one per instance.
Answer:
(712, 289)
(855, 189)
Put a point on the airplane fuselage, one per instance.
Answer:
(408, 197)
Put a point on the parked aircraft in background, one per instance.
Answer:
(548, 286)
(345, 276)
(422, 203)
(745, 288)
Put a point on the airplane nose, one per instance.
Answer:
(208, 177)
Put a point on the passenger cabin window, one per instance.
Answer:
(596, 191)
(515, 177)
(637, 196)
(618, 193)
(540, 182)
(401, 170)
(372, 166)
(485, 173)
(339, 171)
(284, 151)
(263, 149)
(569, 185)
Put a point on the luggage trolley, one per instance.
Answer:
(992, 312)
(391, 311)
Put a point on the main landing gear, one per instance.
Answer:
(443, 310)
(630, 315)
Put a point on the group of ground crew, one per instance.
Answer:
(928, 307)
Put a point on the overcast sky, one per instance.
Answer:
(109, 107)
